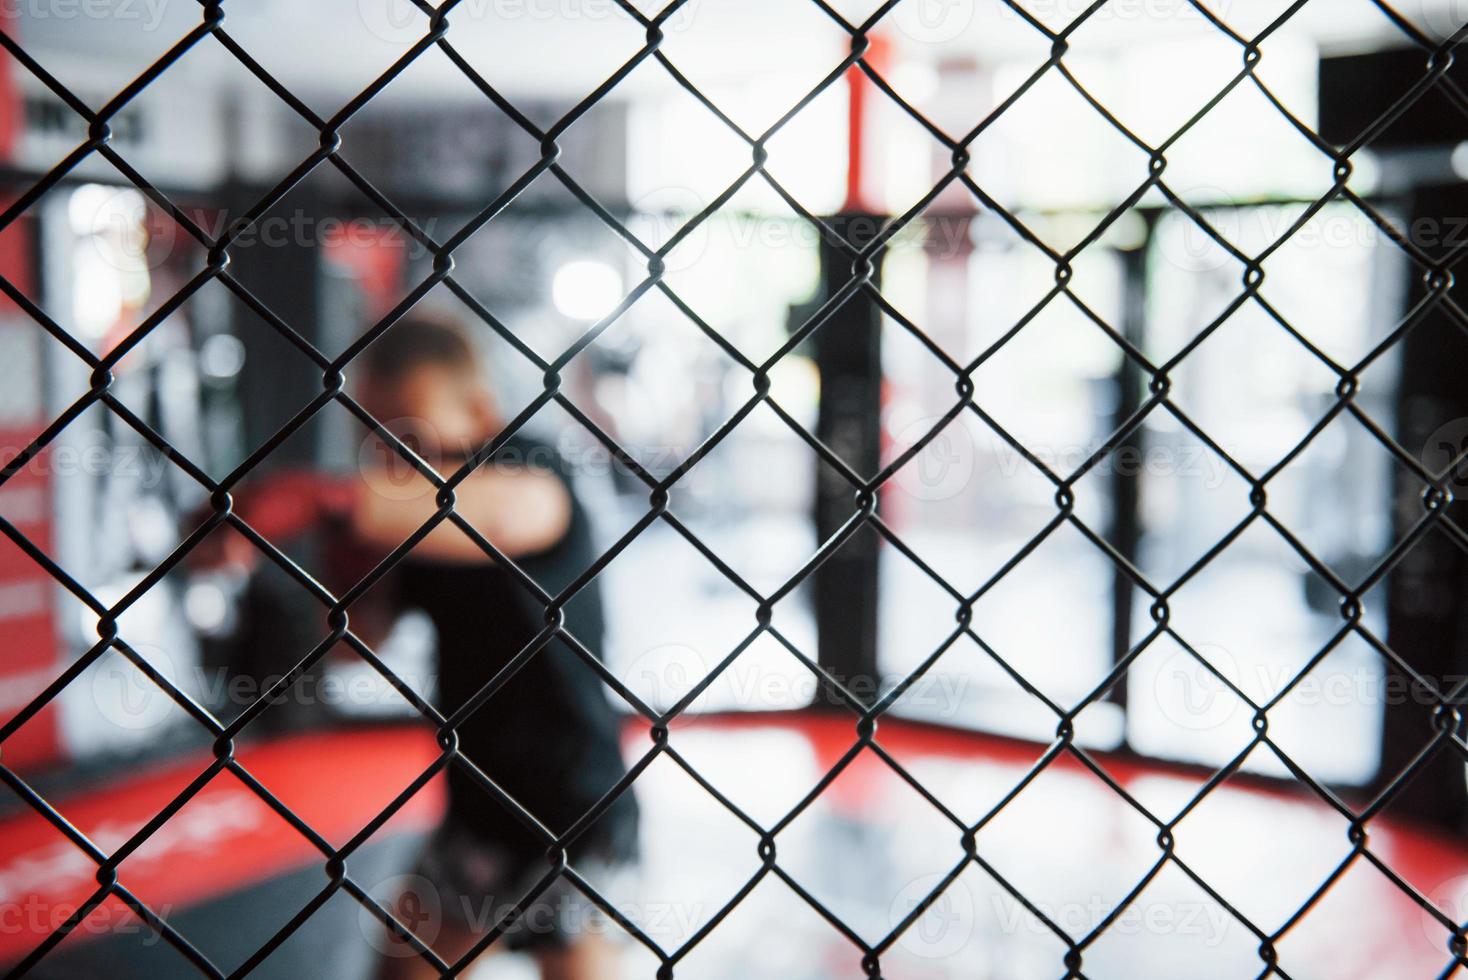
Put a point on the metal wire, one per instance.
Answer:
(1437, 274)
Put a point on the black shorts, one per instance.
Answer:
(478, 881)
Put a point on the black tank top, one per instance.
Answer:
(549, 736)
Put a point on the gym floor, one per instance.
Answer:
(1068, 842)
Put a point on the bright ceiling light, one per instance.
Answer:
(586, 289)
(1460, 161)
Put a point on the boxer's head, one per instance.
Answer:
(423, 378)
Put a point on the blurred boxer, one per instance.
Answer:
(549, 736)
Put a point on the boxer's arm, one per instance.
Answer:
(279, 506)
(520, 511)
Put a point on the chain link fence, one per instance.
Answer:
(433, 28)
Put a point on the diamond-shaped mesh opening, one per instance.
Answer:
(1050, 408)
(859, 898)
(768, 241)
(1341, 244)
(772, 547)
(1173, 923)
(1361, 880)
(1077, 895)
(1342, 444)
(224, 809)
(664, 655)
(129, 44)
(1191, 702)
(1083, 153)
(696, 893)
(765, 798)
(1304, 847)
(113, 916)
(1198, 172)
(1260, 420)
(368, 41)
(1067, 654)
(604, 37)
(1335, 695)
(1194, 496)
(780, 82)
(960, 464)
(1199, 60)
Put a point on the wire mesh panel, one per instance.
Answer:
(858, 254)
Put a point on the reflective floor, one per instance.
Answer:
(871, 848)
(228, 872)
